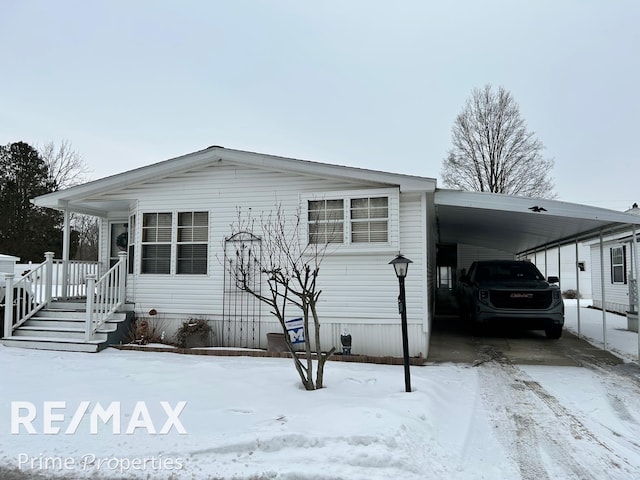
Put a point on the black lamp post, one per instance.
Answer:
(401, 265)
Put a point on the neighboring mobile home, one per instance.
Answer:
(614, 276)
(166, 230)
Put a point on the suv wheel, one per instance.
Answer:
(553, 332)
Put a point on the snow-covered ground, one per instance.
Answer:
(248, 418)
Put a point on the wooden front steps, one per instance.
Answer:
(61, 327)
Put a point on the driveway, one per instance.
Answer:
(451, 341)
(541, 427)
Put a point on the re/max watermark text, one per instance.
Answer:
(54, 418)
(92, 462)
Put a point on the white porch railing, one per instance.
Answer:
(24, 297)
(109, 295)
(57, 279)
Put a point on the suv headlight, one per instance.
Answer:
(484, 295)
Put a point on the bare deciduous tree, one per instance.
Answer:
(66, 169)
(493, 151)
(88, 237)
(290, 266)
(66, 166)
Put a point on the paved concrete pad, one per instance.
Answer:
(451, 341)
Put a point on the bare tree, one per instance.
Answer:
(290, 266)
(493, 151)
(88, 237)
(66, 166)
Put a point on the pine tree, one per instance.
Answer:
(26, 231)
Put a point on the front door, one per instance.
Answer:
(119, 240)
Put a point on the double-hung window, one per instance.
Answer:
(352, 219)
(193, 237)
(156, 243)
(618, 261)
(370, 220)
(326, 221)
(175, 243)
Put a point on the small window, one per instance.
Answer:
(326, 221)
(156, 243)
(193, 239)
(369, 220)
(132, 242)
(618, 263)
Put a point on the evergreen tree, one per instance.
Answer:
(26, 231)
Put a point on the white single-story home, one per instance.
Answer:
(169, 224)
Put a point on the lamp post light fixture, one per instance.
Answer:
(401, 265)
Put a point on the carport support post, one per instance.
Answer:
(636, 268)
(604, 310)
(559, 270)
(578, 288)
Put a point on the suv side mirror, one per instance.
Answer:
(553, 280)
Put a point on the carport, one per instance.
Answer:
(524, 226)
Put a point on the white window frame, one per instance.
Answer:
(194, 229)
(173, 260)
(393, 221)
(622, 266)
(144, 243)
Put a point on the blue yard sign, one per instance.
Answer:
(295, 329)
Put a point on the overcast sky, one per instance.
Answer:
(374, 84)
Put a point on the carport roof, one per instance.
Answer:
(520, 224)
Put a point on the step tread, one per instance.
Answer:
(115, 319)
(27, 338)
(58, 329)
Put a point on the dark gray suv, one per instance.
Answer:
(512, 291)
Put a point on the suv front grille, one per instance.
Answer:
(521, 299)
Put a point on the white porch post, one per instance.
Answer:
(66, 240)
(91, 286)
(8, 304)
(48, 286)
(122, 259)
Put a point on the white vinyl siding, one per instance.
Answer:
(359, 288)
(616, 294)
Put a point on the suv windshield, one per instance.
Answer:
(507, 271)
